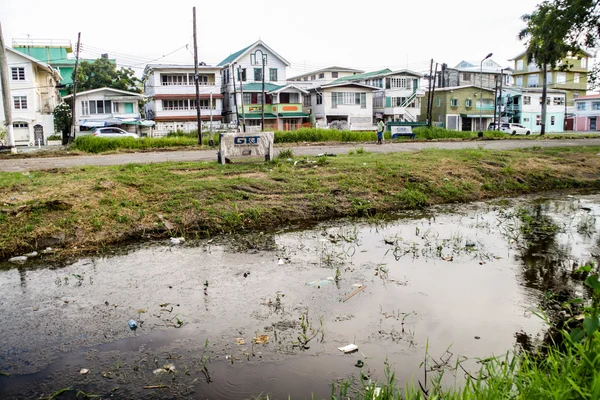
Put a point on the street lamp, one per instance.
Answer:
(481, 95)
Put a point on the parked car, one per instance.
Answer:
(112, 133)
(515, 129)
(492, 126)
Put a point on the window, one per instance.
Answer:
(468, 103)
(549, 77)
(575, 95)
(334, 74)
(576, 77)
(526, 100)
(247, 98)
(538, 120)
(18, 73)
(584, 62)
(453, 102)
(533, 80)
(547, 100)
(244, 78)
(348, 98)
(519, 81)
(595, 105)
(204, 104)
(85, 107)
(319, 98)
(399, 83)
(305, 78)
(115, 108)
(202, 80)
(321, 75)
(559, 101)
(175, 79)
(519, 65)
(20, 125)
(307, 101)
(173, 105)
(466, 76)
(561, 77)
(313, 77)
(378, 102)
(273, 74)
(20, 102)
(580, 106)
(438, 102)
(257, 58)
(258, 74)
(552, 120)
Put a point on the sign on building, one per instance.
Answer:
(246, 145)
(398, 131)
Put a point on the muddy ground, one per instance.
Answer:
(240, 316)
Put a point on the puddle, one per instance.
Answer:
(265, 314)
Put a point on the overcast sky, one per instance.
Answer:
(309, 34)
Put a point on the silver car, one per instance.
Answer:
(112, 133)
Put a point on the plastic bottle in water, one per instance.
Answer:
(132, 325)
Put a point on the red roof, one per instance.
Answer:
(589, 96)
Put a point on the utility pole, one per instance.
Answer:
(237, 112)
(262, 98)
(198, 115)
(211, 142)
(429, 94)
(242, 96)
(432, 94)
(74, 110)
(500, 103)
(6, 96)
(495, 98)
(544, 95)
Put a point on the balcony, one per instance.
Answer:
(207, 88)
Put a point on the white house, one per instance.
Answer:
(242, 72)
(524, 106)
(33, 98)
(587, 113)
(172, 96)
(325, 75)
(107, 107)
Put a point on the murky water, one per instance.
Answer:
(465, 278)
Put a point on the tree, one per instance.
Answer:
(63, 120)
(104, 73)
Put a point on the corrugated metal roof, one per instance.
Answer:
(234, 56)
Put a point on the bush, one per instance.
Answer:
(92, 144)
(323, 135)
(442, 133)
(54, 137)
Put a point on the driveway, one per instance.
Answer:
(33, 164)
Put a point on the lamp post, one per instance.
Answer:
(481, 95)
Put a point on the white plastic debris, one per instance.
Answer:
(176, 241)
(48, 250)
(32, 254)
(281, 261)
(351, 348)
(18, 260)
(84, 371)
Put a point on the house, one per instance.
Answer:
(171, 92)
(570, 76)
(469, 74)
(400, 96)
(326, 75)
(460, 108)
(524, 106)
(33, 98)
(56, 53)
(587, 113)
(242, 87)
(107, 107)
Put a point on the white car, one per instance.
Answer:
(515, 129)
(112, 133)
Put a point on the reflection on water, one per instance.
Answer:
(463, 277)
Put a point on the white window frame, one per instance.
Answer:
(85, 107)
(468, 103)
(584, 62)
(17, 73)
(519, 81)
(307, 102)
(519, 66)
(576, 77)
(453, 102)
(536, 80)
(595, 105)
(526, 100)
(581, 106)
(20, 103)
(561, 78)
(116, 107)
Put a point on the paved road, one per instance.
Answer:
(32, 164)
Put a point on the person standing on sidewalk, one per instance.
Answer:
(380, 129)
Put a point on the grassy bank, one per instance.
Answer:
(91, 207)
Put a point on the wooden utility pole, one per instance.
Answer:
(242, 96)
(74, 110)
(237, 112)
(262, 98)
(198, 115)
(500, 103)
(6, 99)
(544, 95)
(495, 98)
(432, 94)
(429, 98)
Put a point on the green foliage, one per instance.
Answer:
(413, 198)
(442, 133)
(285, 153)
(62, 118)
(323, 135)
(92, 144)
(2, 134)
(104, 73)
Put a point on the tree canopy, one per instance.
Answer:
(104, 73)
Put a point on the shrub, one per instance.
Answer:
(92, 144)
(323, 135)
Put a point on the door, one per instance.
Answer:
(593, 125)
(38, 134)
(128, 108)
(467, 124)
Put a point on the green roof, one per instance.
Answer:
(362, 76)
(258, 116)
(294, 115)
(234, 56)
(257, 87)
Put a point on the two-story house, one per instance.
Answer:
(587, 113)
(107, 107)
(460, 108)
(325, 75)
(242, 75)
(171, 92)
(33, 98)
(569, 76)
(524, 106)
(487, 74)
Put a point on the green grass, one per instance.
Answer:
(92, 144)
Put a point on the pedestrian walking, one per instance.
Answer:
(380, 129)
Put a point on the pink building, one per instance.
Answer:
(587, 113)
